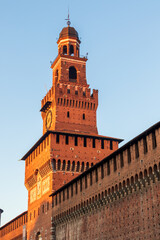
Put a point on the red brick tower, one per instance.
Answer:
(69, 106)
(70, 143)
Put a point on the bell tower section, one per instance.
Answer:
(69, 106)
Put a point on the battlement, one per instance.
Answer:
(76, 91)
(14, 227)
(49, 146)
(65, 92)
(129, 165)
(47, 100)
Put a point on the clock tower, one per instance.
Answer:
(69, 106)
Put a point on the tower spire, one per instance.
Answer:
(68, 19)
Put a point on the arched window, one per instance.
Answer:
(72, 74)
(71, 50)
(64, 49)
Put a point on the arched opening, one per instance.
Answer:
(150, 171)
(54, 164)
(155, 168)
(132, 180)
(78, 166)
(64, 49)
(64, 165)
(72, 74)
(73, 166)
(59, 164)
(140, 175)
(82, 167)
(136, 178)
(71, 50)
(87, 166)
(102, 195)
(38, 236)
(124, 183)
(145, 172)
(68, 165)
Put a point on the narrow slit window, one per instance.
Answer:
(108, 168)
(93, 143)
(72, 190)
(154, 142)
(76, 141)
(145, 145)
(102, 143)
(90, 178)
(67, 193)
(115, 164)
(67, 140)
(121, 159)
(96, 175)
(81, 185)
(59, 197)
(85, 142)
(102, 171)
(76, 188)
(63, 195)
(111, 145)
(86, 181)
(129, 155)
(136, 150)
(68, 114)
(84, 117)
(57, 138)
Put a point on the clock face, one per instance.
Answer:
(48, 120)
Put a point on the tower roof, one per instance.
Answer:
(68, 32)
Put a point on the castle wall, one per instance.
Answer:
(116, 199)
(134, 216)
(15, 229)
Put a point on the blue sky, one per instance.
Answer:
(122, 39)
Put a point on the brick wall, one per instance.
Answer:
(13, 230)
(118, 196)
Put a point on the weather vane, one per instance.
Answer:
(68, 19)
